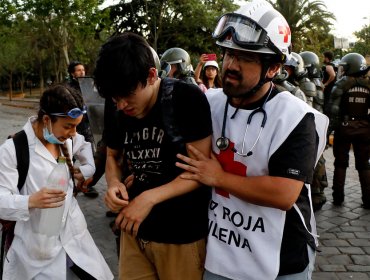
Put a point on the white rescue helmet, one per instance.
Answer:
(255, 27)
(211, 63)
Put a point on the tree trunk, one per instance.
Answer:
(10, 85)
(64, 33)
(41, 73)
(21, 80)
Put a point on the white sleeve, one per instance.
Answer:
(13, 205)
(82, 151)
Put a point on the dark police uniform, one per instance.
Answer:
(350, 103)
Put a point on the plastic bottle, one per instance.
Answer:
(51, 218)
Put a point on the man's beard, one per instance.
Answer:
(232, 89)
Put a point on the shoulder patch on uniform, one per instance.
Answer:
(294, 172)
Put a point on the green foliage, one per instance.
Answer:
(67, 27)
(362, 46)
(53, 33)
(14, 56)
(175, 23)
(309, 22)
(39, 37)
(7, 12)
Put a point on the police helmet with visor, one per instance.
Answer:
(352, 64)
(312, 64)
(177, 56)
(297, 63)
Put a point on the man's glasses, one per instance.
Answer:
(240, 56)
(73, 113)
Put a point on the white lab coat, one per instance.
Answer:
(37, 256)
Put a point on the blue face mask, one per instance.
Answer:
(50, 137)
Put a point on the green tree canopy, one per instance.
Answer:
(14, 58)
(67, 26)
(54, 32)
(310, 24)
(174, 23)
(362, 46)
(39, 37)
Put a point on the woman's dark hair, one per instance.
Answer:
(59, 98)
(123, 63)
(217, 82)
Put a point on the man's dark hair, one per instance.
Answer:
(123, 63)
(329, 55)
(72, 65)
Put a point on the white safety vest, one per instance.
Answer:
(244, 239)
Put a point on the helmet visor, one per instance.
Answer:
(340, 72)
(175, 61)
(292, 62)
(245, 32)
(165, 69)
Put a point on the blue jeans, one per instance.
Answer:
(304, 275)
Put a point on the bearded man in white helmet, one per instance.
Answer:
(266, 144)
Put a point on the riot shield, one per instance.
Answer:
(95, 106)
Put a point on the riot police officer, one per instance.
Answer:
(311, 83)
(312, 64)
(282, 83)
(176, 63)
(298, 76)
(349, 117)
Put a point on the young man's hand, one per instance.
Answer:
(131, 217)
(116, 197)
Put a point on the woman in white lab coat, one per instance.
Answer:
(33, 255)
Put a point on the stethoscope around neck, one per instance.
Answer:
(223, 142)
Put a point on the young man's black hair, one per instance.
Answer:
(123, 77)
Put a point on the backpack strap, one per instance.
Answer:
(23, 156)
(168, 113)
(23, 161)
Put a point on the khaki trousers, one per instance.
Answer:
(147, 260)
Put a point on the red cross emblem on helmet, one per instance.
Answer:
(285, 31)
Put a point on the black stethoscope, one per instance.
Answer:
(223, 142)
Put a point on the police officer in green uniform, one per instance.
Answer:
(298, 76)
(282, 83)
(176, 63)
(349, 117)
(314, 75)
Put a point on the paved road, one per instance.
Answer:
(344, 231)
